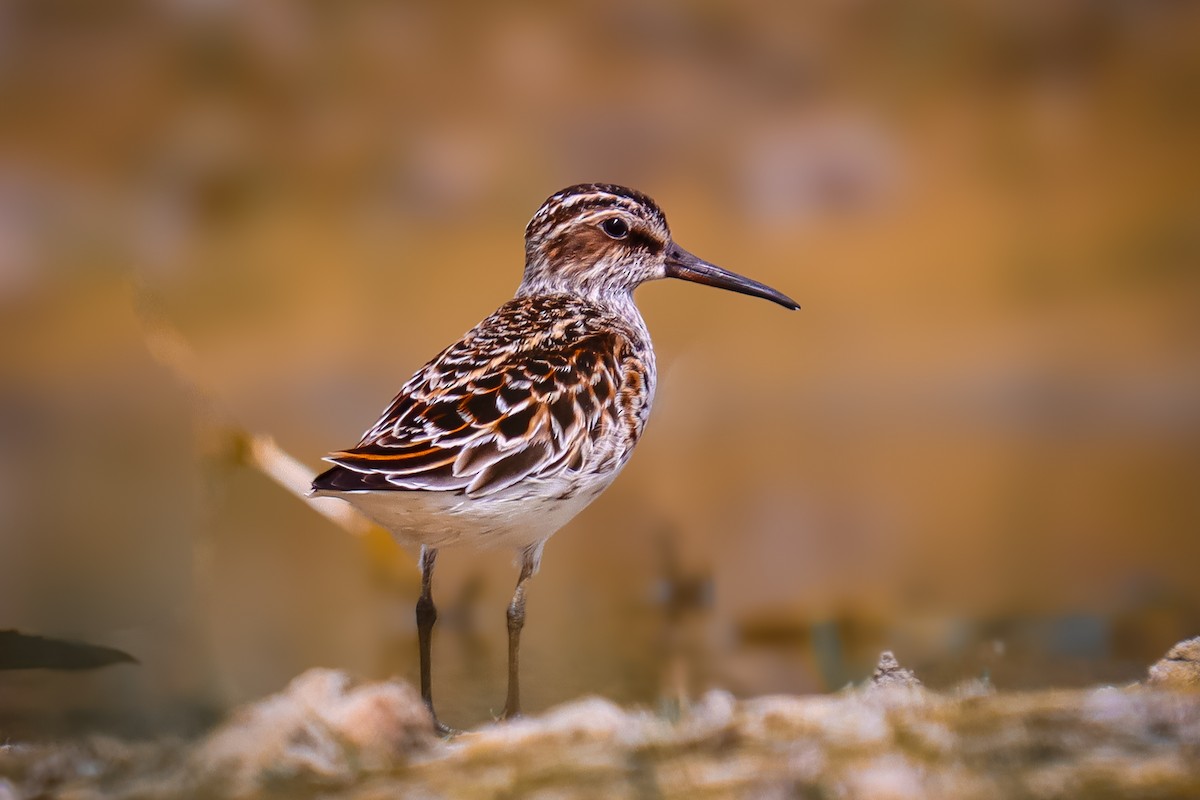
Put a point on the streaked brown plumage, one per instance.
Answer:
(530, 394)
(508, 433)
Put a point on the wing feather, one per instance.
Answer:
(482, 426)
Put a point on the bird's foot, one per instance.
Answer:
(439, 727)
(444, 730)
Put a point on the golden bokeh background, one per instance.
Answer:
(977, 444)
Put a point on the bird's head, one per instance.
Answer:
(602, 241)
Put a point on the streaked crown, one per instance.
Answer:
(594, 239)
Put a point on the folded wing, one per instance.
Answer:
(481, 428)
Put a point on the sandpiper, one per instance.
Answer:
(512, 430)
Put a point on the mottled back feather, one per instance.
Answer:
(525, 395)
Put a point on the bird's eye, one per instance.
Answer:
(615, 227)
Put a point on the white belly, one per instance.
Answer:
(446, 519)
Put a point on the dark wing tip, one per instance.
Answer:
(338, 479)
(346, 479)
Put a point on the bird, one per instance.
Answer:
(508, 433)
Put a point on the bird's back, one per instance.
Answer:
(510, 431)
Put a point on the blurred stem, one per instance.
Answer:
(257, 450)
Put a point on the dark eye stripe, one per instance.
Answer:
(640, 238)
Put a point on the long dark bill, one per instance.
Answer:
(685, 266)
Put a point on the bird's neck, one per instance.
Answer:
(616, 300)
(616, 303)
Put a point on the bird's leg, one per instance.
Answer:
(516, 620)
(426, 616)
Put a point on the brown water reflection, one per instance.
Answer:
(976, 445)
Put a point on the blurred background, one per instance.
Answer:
(978, 444)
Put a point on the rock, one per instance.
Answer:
(325, 736)
(1180, 668)
(889, 674)
(321, 729)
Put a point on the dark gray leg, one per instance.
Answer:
(516, 620)
(426, 616)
